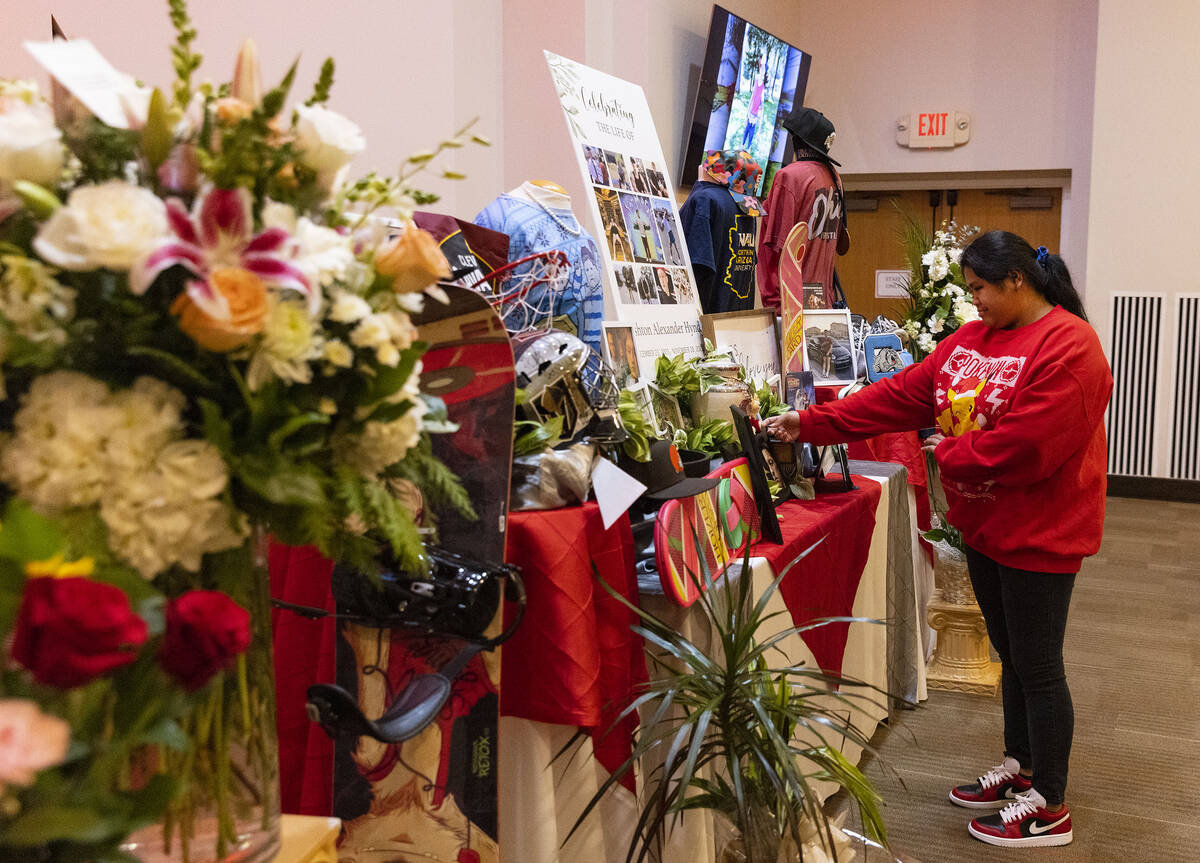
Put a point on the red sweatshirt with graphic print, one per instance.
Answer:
(1024, 463)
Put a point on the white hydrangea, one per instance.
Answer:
(925, 342)
(956, 255)
(76, 444)
(57, 433)
(171, 514)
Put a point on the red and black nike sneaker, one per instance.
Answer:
(1026, 821)
(993, 790)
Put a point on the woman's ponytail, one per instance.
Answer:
(996, 255)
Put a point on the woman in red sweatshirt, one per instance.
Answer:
(1018, 399)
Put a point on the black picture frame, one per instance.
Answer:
(758, 458)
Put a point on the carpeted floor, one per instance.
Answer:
(1133, 664)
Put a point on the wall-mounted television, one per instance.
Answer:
(748, 84)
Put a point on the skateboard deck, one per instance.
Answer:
(434, 797)
(791, 292)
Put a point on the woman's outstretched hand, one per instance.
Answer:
(785, 427)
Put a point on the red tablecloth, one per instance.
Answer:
(305, 653)
(574, 660)
(898, 447)
(825, 582)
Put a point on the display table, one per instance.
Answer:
(574, 661)
(862, 569)
(902, 448)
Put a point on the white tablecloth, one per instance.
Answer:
(541, 797)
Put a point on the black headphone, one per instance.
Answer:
(457, 600)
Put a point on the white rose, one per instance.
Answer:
(348, 308)
(327, 142)
(30, 145)
(111, 225)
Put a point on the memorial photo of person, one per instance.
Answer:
(666, 287)
(646, 287)
(683, 286)
(613, 222)
(627, 292)
(622, 354)
(637, 176)
(639, 224)
(618, 172)
(597, 170)
(668, 233)
(658, 182)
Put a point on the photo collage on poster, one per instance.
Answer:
(644, 240)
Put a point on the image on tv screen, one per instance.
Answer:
(748, 84)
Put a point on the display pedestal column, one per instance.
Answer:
(962, 659)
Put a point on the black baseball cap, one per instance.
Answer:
(812, 127)
(663, 474)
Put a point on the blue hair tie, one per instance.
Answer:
(1042, 254)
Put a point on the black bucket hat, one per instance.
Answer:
(811, 127)
(663, 475)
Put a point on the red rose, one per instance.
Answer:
(206, 630)
(72, 630)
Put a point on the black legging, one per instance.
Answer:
(1026, 615)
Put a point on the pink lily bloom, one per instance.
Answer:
(219, 233)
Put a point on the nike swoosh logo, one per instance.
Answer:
(1009, 793)
(1036, 828)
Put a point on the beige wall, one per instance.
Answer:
(410, 71)
(1145, 180)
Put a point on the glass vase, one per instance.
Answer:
(227, 803)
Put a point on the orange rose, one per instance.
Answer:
(413, 260)
(246, 295)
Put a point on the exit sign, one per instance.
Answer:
(922, 130)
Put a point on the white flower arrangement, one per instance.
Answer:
(938, 301)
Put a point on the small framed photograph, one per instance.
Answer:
(751, 337)
(884, 356)
(620, 348)
(666, 410)
(828, 349)
(801, 391)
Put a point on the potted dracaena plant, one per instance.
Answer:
(740, 733)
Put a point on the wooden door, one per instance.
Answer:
(876, 234)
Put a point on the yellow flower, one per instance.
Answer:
(56, 567)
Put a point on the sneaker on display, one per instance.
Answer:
(1024, 822)
(993, 790)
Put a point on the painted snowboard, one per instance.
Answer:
(433, 798)
(791, 295)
